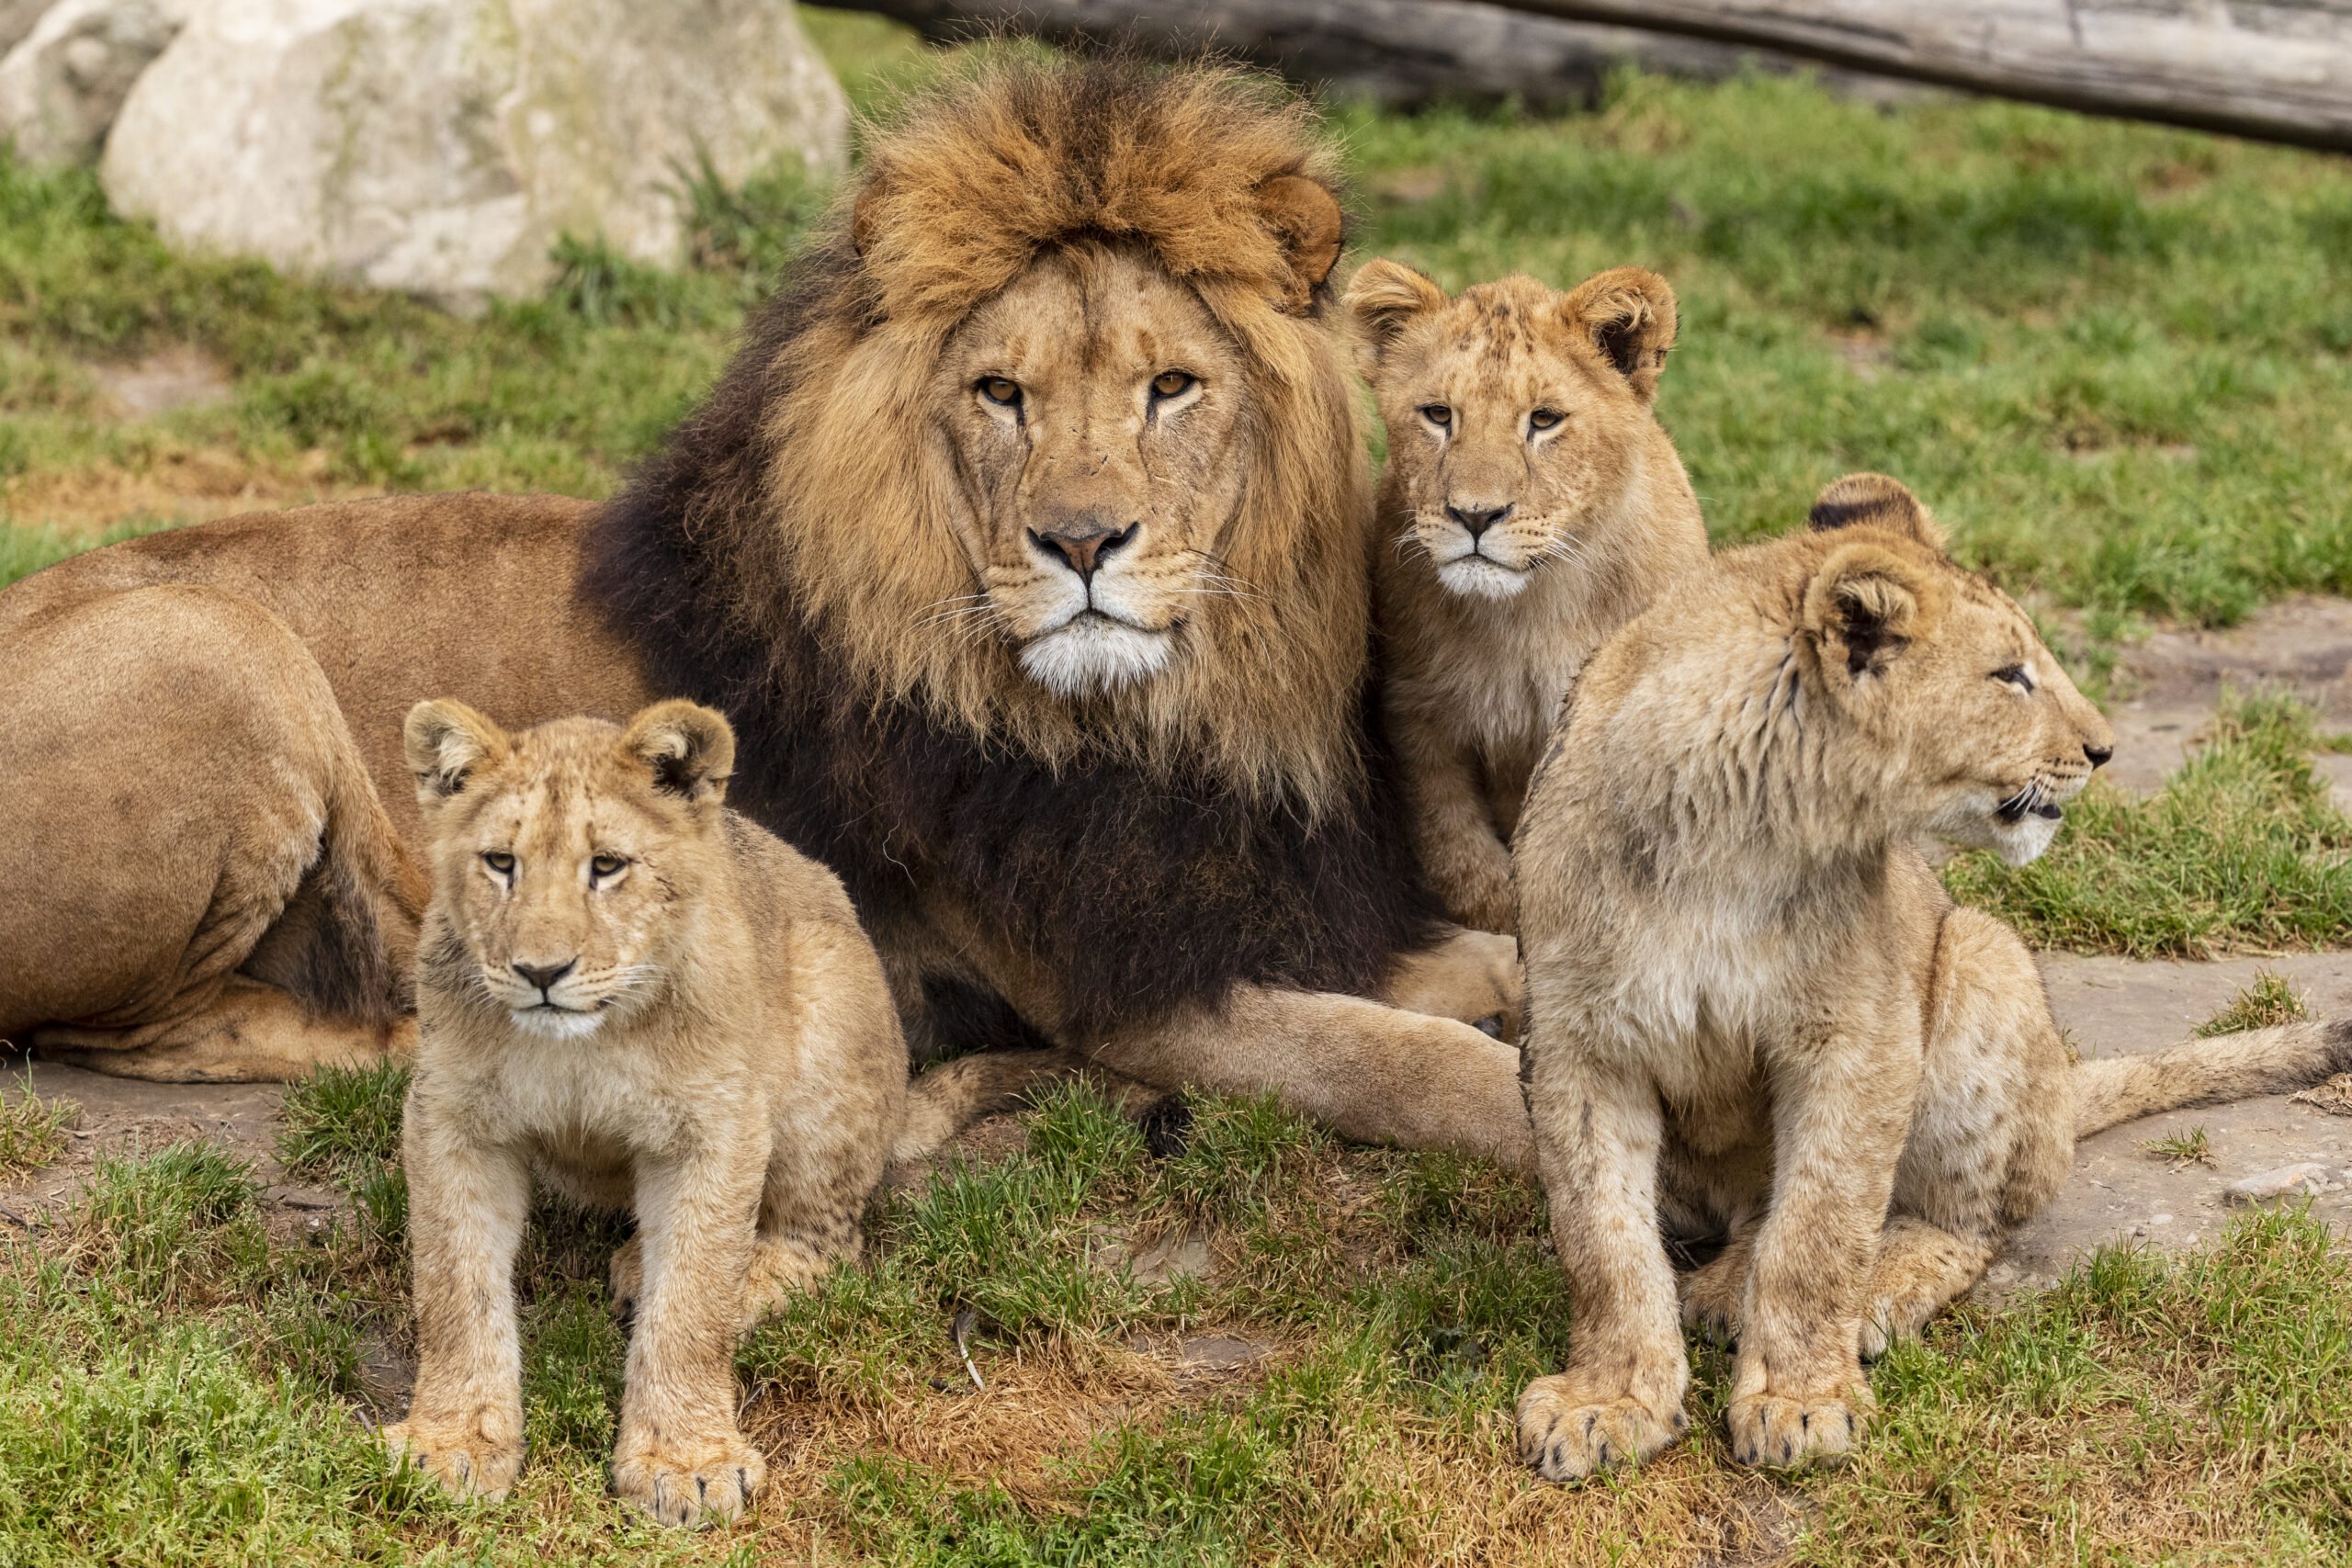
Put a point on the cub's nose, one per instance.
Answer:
(1082, 545)
(542, 976)
(2100, 755)
(1476, 520)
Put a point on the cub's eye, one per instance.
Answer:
(1437, 414)
(500, 862)
(1173, 383)
(2017, 675)
(1001, 390)
(605, 866)
(1544, 419)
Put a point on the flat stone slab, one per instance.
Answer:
(2122, 1192)
(2302, 644)
(122, 1114)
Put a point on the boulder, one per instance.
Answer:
(16, 20)
(66, 79)
(441, 146)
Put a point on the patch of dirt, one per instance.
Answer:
(183, 484)
(1867, 355)
(2304, 644)
(2123, 1193)
(164, 382)
(122, 1114)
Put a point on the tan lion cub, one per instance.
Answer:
(1536, 506)
(642, 999)
(1753, 1011)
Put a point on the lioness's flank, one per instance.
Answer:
(639, 997)
(1531, 505)
(1755, 1014)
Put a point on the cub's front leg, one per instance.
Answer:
(679, 1453)
(1598, 1132)
(1468, 861)
(1841, 1109)
(466, 1207)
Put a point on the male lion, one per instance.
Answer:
(1754, 1011)
(1026, 543)
(1536, 505)
(646, 1001)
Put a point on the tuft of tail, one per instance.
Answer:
(2205, 1071)
(944, 1100)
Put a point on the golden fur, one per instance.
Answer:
(1528, 414)
(645, 1001)
(1755, 1014)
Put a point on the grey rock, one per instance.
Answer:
(64, 83)
(2308, 1176)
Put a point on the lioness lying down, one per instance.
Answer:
(1754, 1011)
(638, 996)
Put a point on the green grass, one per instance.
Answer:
(32, 1130)
(2149, 1410)
(2242, 848)
(2192, 1147)
(2265, 1000)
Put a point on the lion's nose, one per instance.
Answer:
(1082, 543)
(544, 975)
(2100, 755)
(1476, 520)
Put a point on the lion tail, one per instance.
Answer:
(944, 1100)
(2205, 1071)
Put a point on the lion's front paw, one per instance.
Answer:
(1710, 1296)
(1774, 1429)
(690, 1483)
(1566, 1435)
(465, 1457)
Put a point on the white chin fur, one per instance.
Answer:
(1476, 577)
(1972, 827)
(1094, 653)
(559, 1023)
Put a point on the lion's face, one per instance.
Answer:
(1953, 686)
(568, 859)
(1517, 415)
(1096, 412)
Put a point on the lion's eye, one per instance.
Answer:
(1543, 419)
(1173, 383)
(605, 866)
(2017, 675)
(1002, 391)
(1437, 414)
(500, 862)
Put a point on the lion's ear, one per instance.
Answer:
(1628, 314)
(1305, 217)
(1877, 501)
(690, 747)
(446, 741)
(1386, 296)
(1867, 605)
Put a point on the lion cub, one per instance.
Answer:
(640, 998)
(1754, 1011)
(1536, 506)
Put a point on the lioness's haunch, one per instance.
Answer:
(1755, 1013)
(636, 997)
(1532, 505)
(1026, 543)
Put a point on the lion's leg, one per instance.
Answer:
(1472, 976)
(195, 860)
(1377, 1074)
(679, 1453)
(1918, 1271)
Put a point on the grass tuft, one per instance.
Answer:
(2189, 1148)
(182, 1224)
(340, 1120)
(32, 1130)
(2265, 1001)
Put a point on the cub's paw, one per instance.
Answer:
(1893, 1317)
(1567, 1435)
(1768, 1428)
(781, 1267)
(461, 1456)
(690, 1483)
(629, 1278)
(1710, 1296)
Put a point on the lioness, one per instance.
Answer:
(1536, 506)
(1026, 545)
(1752, 1009)
(643, 999)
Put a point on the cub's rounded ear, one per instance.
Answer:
(1867, 605)
(1383, 300)
(1304, 216)
(1874, 501)
(1628, 314)
(690, 747)
(446, 741)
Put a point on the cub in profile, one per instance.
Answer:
(1755, 1014)
(1534, 505)
(640, 998)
